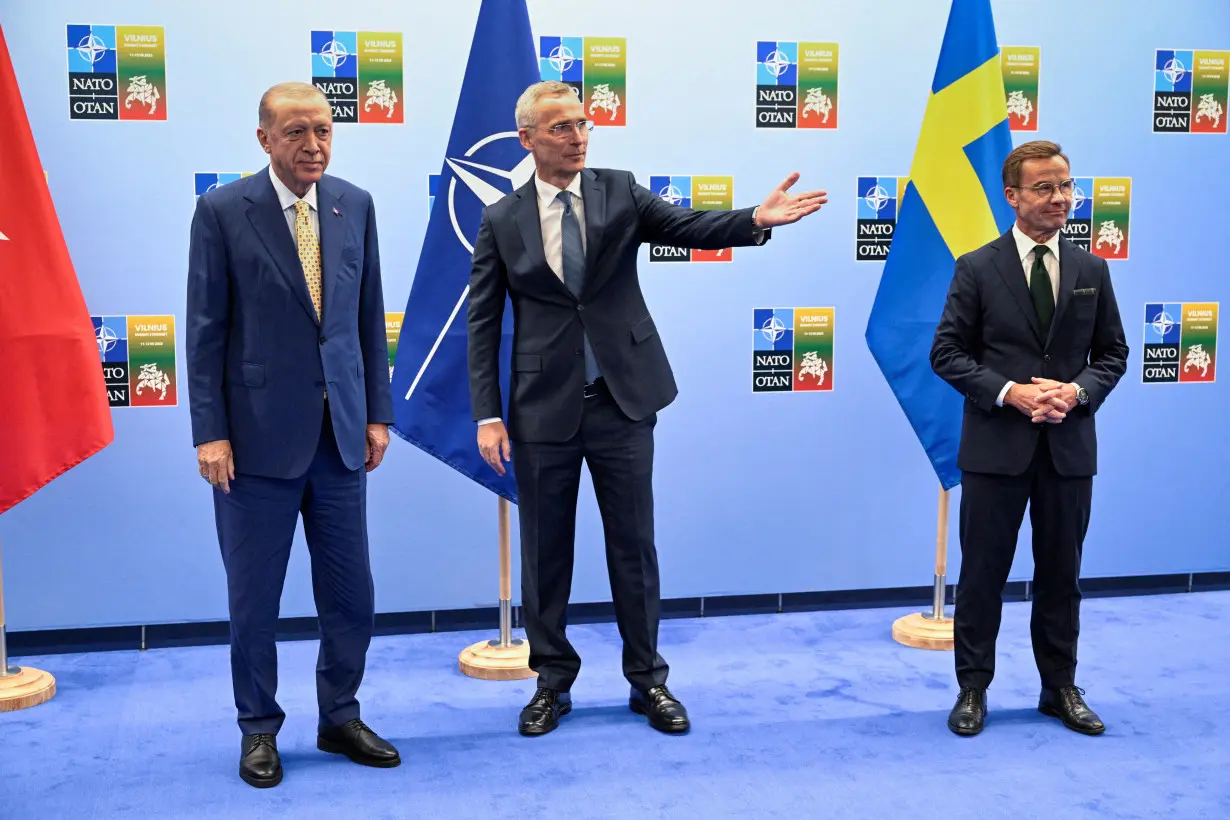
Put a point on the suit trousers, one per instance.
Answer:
(992, 509)
(619, 454)
(256, 525)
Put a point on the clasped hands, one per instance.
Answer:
(1045, 401)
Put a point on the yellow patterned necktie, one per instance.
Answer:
(309, 251)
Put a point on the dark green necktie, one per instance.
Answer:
(1040, 290)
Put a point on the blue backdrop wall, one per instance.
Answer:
(756, 492)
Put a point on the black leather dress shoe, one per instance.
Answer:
(543, 712)
(665, 712)
(358, 743)
(1067, 704)
(259, 763)
(969, 712)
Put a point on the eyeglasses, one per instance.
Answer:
(565, 129)
(1047, 189)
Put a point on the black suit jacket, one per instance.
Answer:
(989, 334)
(549, 323)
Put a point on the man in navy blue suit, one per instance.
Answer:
(289, 393)
(1031, 336)
(589, 374)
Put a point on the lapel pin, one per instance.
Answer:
(336, 212)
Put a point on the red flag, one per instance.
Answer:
(55, 414)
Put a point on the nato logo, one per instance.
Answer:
(772, 350)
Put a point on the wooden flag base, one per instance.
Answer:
(487, 660)
(507, 658)
(931, 630)
(921, 632)
(27, 688)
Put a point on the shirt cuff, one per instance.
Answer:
(488, 421)
(759, 234)
(999, 401)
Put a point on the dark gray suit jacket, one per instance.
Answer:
(548, 366)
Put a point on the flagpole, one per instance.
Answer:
(505, 658)
(20, 687)
(931, 630)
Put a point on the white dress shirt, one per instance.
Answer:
(1025, 251)
(551, 219)
(287, 199)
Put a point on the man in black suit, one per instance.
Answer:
(589, 375)
(1031, 336)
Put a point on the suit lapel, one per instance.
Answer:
(267, 218)
(332, 219)
(1068, 273)
(1009, 266)
(530, 226)
(593, 195)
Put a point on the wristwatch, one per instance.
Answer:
(1082, 395)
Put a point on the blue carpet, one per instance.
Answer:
(795, 716)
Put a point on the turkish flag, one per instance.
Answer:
(54, 413)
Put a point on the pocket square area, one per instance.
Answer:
(1084, 291)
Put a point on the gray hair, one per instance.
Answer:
(527, 104)
(288, 91)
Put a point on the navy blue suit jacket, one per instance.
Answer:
(258, 359)
(989, 334)
(550, 323)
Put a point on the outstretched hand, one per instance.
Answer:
(781, 207)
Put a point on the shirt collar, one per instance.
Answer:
(548, 192)
(1024, 244)
(287, 198)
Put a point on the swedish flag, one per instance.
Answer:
(953, 204)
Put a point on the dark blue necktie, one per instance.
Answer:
(574, 270)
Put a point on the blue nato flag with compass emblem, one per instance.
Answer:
(483, 162)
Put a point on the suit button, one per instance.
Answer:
(577, 352)
(580, 308)
(1046, 357)
(323, 340)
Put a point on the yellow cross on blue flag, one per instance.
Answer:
(953, 204)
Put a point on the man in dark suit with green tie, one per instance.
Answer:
(1031, 336)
